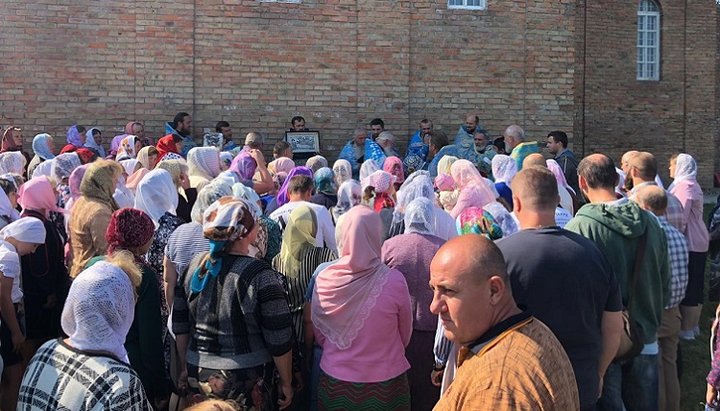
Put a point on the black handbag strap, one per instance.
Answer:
(639, 257)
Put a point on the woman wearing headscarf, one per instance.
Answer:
(359, 301)
(683, 170)
(504, 169)
(129, 146)
(315, 163)
(445, 164)
(148, 157)
(87, 228)
(124, 196)
(298, 259)
(12, 140)
(378, 191)
(44, 149)
(169, 148)
(203, 166)
(325, 188)
(349, 195)
(394, 166)
(282, 196)
(411, 253)
(89, 369)
(187, 240)
(447, 194)
(186, 195)
(76, 138)
(368, 167)
(8, 202)
(93, 141)
(226, 159)
(17, 239)
(231, 319)
(131, 231)
(267, 244)
(281, 165)
(86, 155)
(12, 162)
(246, 164)
(568, 200)
(343, 171)
(45, 277)
(62, 168)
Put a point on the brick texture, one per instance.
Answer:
(553, 64)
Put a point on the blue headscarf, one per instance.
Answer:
(40, 146)
(325, 181)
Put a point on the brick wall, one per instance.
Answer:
(256, 64)
(616, 112)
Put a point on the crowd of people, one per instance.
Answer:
(474, 273)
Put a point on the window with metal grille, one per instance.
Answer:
(467, 4)
(648, 41)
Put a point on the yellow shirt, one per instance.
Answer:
(524, 368)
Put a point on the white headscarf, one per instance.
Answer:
(27, 229)
(12, 162)
(343, 171)
(99, 310)
(243, 192)
(43, 169)
(208, 195)
(203, 162)
(90, 142)
(156, 194)
(6, 209)
(63, 165)
(419, 216)
(504, 168)
(368, 167)
(685, 169)
(129, 166)
(349, 195)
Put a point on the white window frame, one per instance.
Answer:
(644, 66)
(464, 6)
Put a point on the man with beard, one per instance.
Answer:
(182, 126)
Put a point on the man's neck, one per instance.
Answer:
(537, 219)
(600, 195)
(559, 153)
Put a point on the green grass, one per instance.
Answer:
(696, 356)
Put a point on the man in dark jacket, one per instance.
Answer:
(557, 143)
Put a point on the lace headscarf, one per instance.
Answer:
(685, 169)
(208, 195)
(43, 169)
(368, 167)
(343, 171)
(394, 166)
(75, 179)
(504, 168)
(203, 162)
(12, 162)
(226, 159)
(40, 146)
(315, 163)
(64, 165)
(346, 291)
(417, 185)
(419, 217)
(99, 310)
(349, 195)
(156, 195)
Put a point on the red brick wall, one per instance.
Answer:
(337, 62)
(618, 113)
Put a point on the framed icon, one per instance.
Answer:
(303, 141)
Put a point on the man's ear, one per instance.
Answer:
(497, 288)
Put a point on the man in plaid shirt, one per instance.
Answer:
(654, 199)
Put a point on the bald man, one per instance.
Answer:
(635, 245)
(534, 159)
(655, 200)
(507, 357)
(564, 280)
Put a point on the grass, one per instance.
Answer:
(696, 356)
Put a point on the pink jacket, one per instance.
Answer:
(691, 197)
(378, 352)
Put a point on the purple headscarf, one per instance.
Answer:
(75, 179)
(73, 137)
(115, 143)
(282, 196)
(244, 166)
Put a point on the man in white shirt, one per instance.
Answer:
(300, 190)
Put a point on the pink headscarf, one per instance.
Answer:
(281, 165)
(465, 174)
(38, 194)
(75, 179)
(394, 166)
(553, 166)
(444, 182)
(478, 196)
(347, 290)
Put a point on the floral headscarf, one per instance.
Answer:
(475, 220)
(224, 221)
(126, 150)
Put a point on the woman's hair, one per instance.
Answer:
(368, 194)
(126, 261)
(152, 151)
(80, 129)
(8, 186)
(96, 132)
(674, 157)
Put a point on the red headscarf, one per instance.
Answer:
(166, 145)
(129, 228)
(68, 148)
(8, 142)
(86, 155)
